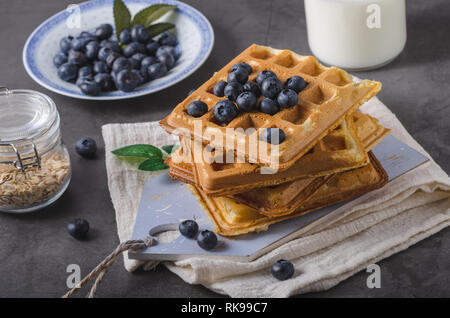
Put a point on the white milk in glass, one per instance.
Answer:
(356, 34)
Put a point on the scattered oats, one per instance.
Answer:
(35, 185)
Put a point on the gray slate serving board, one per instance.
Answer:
(166, 202)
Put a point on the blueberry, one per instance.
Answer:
(152, 47)
(144, 74)
(296, 83)
(81, 79)
(139, 57)
(86, 147)
(85, 34)
(207, 240)
(68, 71)
(121, 63)
(104, 31)
(270, 135)
(59, 59)
(139, 33)
(78, 228)
(79, 44)
(225, 111)
(197, 108)
(77, 57)
(134, 63)
(88, 86)
(139, 75)
(114, 46)
(103, 53)
(218, 89)
(92, 49)
(282, 269)
(287, 98)
(157, 70)
(126, 80)
(164, 50)
(271, 87)
(100, 67)
(85, 71)
(246, 101)
(167, 59)
(125, 37)
(239, 75)
(246, 66)
(188, 228)
(263, 75)
(252, 87)
(104, 81)
(133, 48)
(112, 57)
(147, 61)
(269, 106)
(168, 39)
(232, 90)
(66, 44)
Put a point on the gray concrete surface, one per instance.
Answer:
(35, 249)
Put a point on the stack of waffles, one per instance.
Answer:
(324, 159)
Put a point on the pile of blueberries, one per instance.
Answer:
(97, 63)
(242, 96)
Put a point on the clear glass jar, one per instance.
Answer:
(34, 162)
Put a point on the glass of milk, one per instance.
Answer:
(356, 34)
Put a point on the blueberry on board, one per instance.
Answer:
(287, 98)
(140, 34)
(133, 48)
(219, 88)
(92, 49)
(264, 75)
(65, 44)
(103, 53)
(252, 87)
(77, 57)
(197, 108)
(168, 39)
(225, 111)
(59, 59)
(188, 228)
(269, 106)
(274, 136)
(86, 147)
(207, 240)
(151, 47)
(85, 71)
(271, 87)
(121, 63)
(296, 83)
(104, 31)
(125, 37)
(239, 75)
(78, 228)
(167, 59)
(126, 80)
(68, 71)
(157, 70)
(246, 66)
(282, 269)
(112, 57)
(147, 61)
(232, 90)
(246, 101)
(100, 67)
(104, 81)
(88, 86)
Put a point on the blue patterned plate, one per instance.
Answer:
(193, 30)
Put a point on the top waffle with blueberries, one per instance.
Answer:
(270, 90)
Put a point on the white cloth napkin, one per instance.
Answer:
(386, 221)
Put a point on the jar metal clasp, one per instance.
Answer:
(23, 163)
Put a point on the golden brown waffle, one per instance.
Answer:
(232, 218)
(323, 104)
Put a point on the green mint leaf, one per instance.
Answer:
(152, 164)
(150, 14)
(122, 16)
(141, 151)
(159, 28)
(170, 148)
